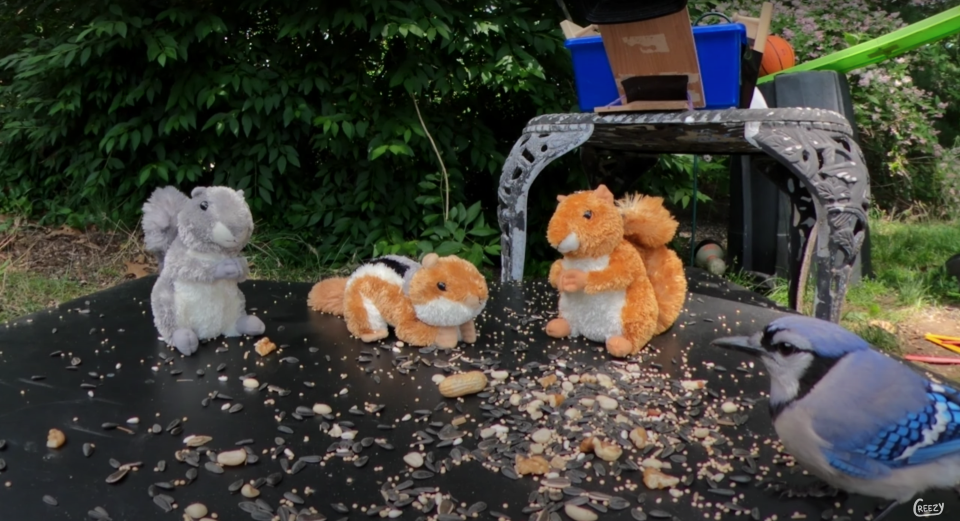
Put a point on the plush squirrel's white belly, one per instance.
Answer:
(209, 309)
(597, 316)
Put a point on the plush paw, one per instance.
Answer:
(446, 337)
(619, 347)
(373, 336)
(186, 341)
(468, 332)
(573, 280)
(228, 269)
(250, 325)
(558, 328)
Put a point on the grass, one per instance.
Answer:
(908, 277)
(23, 292)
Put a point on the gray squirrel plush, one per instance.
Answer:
(197, 241)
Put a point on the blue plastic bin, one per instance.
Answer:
(719, 49)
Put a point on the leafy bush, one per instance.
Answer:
(319, 110)
(899, 118)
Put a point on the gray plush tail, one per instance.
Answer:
(160, 220)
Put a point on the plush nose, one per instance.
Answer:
(472, 301)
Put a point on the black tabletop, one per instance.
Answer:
(384, 397)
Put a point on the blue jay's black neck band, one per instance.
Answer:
(818, 368)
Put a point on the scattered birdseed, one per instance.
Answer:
(50, 500)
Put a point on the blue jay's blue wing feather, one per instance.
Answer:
(856, 464)
(919, 436)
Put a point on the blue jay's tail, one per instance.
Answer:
(160, 220)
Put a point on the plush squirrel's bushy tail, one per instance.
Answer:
(326, 296)
(646, 223)
(160, 220)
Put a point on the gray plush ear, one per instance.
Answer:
(197, 191)
(240, 193)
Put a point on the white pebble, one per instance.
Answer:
(729, 407)
(322, 408)
(500, 375)
(222, 378)
(133, 421)
(607, 403)
(487, 433)
(394, 513)
(542, 435)
(515, 399)
(251, 383)
(536, 448)
(196, 510)
(701, 432)
(587, 402)
(348, 435)
(573, 414)
(579, 513)
(414, 459)
(575, 378)
(437, 378)
(567, 386)
(335, 431)
(676, 492)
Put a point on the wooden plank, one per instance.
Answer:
(659, 46)
(645, 106)
(763, 29)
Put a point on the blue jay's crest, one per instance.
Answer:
(823, 338)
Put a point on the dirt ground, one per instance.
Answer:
(98, 259)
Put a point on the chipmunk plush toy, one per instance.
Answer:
(433, 303)
(198, 240)
(606, 292)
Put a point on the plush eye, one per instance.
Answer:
(204, 205)
(587, 214)
(441, 286)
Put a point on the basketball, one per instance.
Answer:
(777, 56)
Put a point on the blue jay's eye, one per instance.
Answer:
(587, 214)
(441, 286)
(204, 205)
(785, 348)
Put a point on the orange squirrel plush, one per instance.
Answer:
(433, 303)
(607, 293)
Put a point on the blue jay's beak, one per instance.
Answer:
(739, 343)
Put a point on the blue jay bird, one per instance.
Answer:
(857, 419)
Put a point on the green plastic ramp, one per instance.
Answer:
(883, 48)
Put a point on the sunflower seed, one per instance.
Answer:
(221, 367)
(618, 503)
(164, 485)
(108, 426)
(50, 500)
(237, 407)
(340, 507)
(422, 474)
(161, 465)
(162, 502)
(284, 429)
(191, 474)
(114, 463)
(274, 479)
(293, 498)
(213, 467)
(118, 475)
(660, 514)
(297, 466)
(638, 514)
(87, 449)
(361, 461)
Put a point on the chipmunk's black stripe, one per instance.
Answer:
(399, 267)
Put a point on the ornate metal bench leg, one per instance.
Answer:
(533, 151)
(831, 167)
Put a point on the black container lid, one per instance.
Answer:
(624, 11)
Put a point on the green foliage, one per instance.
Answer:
(309, 106)
(899, 104)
